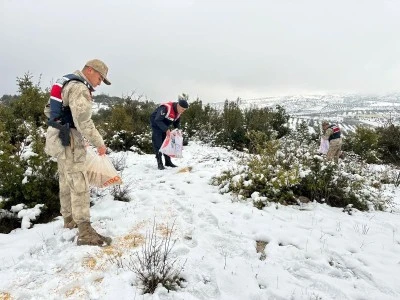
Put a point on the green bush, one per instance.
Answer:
(375, 145)
(388, 144)
(233, 127)
(363, 142)
(28, 175)
(303, 134)
(8, 221)
(232, 133)
(327, 184)
(284, 170)
(126, 124)
(195, 117)
(201, 122)
(128, 141)
(31, 101)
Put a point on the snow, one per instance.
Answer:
(312, 251)
(17, 208)
(26, 214)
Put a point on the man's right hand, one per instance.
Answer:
(168, 132)
(102, 150)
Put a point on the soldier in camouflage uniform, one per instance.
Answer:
(74, 188)
(332, 134)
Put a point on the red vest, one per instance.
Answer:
(171, 115)
(56, 103)
(336, 132)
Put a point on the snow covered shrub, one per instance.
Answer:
(270, 174)
(127, 140)
(119, 161)
(326, 182)
(154, 264)
(28, 175)
(40, 183)
(121, 192)
(284, 170)
(143, 142)
(119, 141)
(30, 178)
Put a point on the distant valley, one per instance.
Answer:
(346, 110)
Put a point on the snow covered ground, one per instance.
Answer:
(311, 252)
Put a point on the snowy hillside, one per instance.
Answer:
(346, 110)
(229, 249)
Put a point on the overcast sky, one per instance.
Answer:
(211, 49)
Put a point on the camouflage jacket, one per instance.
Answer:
(327, 133)
(77, 96)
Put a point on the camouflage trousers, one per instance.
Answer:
(74, 187)
(335, 149)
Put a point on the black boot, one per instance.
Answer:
(168, 161)
(159, 161)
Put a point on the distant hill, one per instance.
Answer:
(346, 110)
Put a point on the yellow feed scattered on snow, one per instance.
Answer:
(185, 169)
(132, 240)
(5, 296)
(76, 291)
(110, 250)
(164, 230)
(89, 262)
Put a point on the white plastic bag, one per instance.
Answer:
(100, 170)
(173, 144)
(324, 146)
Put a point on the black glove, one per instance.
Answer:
(64, 134)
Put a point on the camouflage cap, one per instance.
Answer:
(100, 67)
(325, 122)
